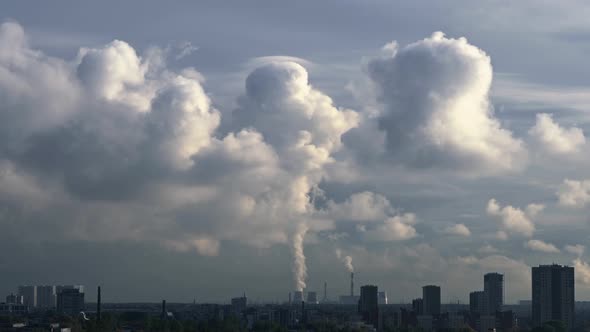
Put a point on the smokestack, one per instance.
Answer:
(164, 309)
(351, 283)
(98, 302)
(325, 291)
(289, 298)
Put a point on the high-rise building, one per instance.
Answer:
(297, 297)
(382, 297)
(418, 306)
(553, 294)
(29, 294)
(368, 305)
(46, 296)
(478, 302)
(70, 301)
(493, 286)
(312, 298)
(431, 300)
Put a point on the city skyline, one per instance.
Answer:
(197, 151)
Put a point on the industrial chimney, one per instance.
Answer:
(351, 284)
(325, 291)
(164, 309)
(98, 303)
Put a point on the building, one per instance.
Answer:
(297, 297)
(418, 306)
(493, 286)
(478, 302)
(368, 305)
(431, 300)
(46, 296)
(29, 294)
(486, 323)
(312, 298)
(70, 301)
(239, 304)
(14, 299)
(59, 288)
(553, 294)
(10, 309)
(382, 297)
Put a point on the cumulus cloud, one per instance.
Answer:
(396, 228)
(513, 219)
(539, 245)
(436, 109)
(573, 193)
(553, 138)
(137, 146)
(582, 271)
(576, 249)
(458, 229)
(363, 206)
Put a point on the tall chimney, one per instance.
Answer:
(164, 309)
(98, 303)
(289, 298)
(325, 291)
(351, 283)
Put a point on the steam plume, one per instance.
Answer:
(299, 267)
(347, 260)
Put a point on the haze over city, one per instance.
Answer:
(197, 151)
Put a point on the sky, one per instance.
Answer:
(198, 150)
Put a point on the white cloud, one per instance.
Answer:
(437, 111)
(513, 219)
(554, 138)
(117, 130)
(574, 193)
(363, 206)
(397, 228)
(458, 229)
(576, 249)
(539, 245)
(582, 272)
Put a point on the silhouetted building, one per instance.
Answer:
(486, 323)
(14, 299)
(239, 304)
(553, 294)
(29, 294)
(478, 302)
(418, 306)
(312, 298)
(46, 296)
(70, 301)
(431, 300)
(297, 297)
(493, 286)
(382, 297)
(368, 305)
(11, 309)
(506, 320)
